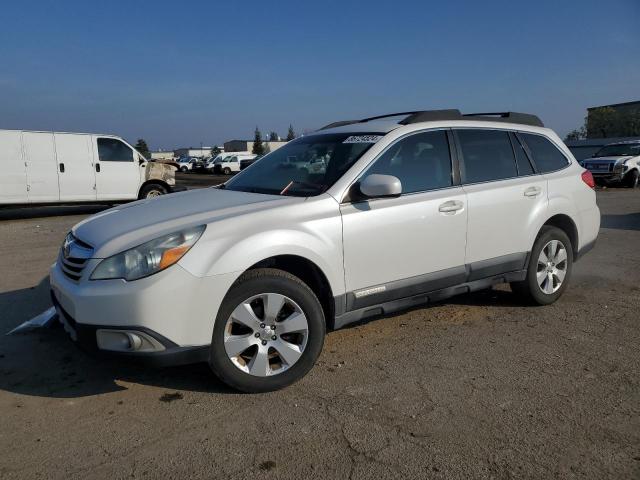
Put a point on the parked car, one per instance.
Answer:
(53, 167)
(187, 164)
(411, 209)
(231, 163)
(616, 163)
(212, 162)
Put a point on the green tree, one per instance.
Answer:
(602, 123)
(142, 147)
(215, 151)
(629, 123)
(577, 134)
(607, 122)
(267, 149)
(258, 146)
(274, 137)
(291, 134)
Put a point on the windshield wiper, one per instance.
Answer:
(302, 184)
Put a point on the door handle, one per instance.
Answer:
(61, 168)
(532, 192)
(450, 207)
(98, 167)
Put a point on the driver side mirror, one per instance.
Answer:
(380, 186)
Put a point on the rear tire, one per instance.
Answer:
(245, 352)
(632, 179)
(153, 190)
(549, 269)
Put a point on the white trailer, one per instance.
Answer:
(52, 167)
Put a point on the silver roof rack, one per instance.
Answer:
(451, 114)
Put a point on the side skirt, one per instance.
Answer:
(425, 298)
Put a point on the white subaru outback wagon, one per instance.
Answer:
(405, 209)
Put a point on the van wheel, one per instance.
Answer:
(632, 179)
(152, 190)
(226, 171)
(268, 333)
(549, 268)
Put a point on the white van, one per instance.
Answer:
(231, 162)
(50, 167)
(213, 161)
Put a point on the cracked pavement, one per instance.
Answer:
(475, 387)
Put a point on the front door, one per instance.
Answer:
(118, 170)
(411, 244)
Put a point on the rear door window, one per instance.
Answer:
(486, 155)
(547, 157)
(113, 150)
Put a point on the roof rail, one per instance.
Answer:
(450, 114)
(363, 120)
(509, 117)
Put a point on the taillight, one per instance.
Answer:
(588, 179)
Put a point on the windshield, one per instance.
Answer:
(304, 167)
(621, 149)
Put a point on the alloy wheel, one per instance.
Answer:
(552, 267)
(266, 334)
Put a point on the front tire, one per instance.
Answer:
(153, 190)
(268, 333)
(226, 171)
(549, 269)
(632, 179)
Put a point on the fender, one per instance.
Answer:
(312, 231)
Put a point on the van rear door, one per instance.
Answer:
(13, 174)
(76, 174)
(42, 169)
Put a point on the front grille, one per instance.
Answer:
(72, 267)
(599, 167)
(74, 256)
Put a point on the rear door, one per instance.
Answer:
(13, 173)
(505, 198)
(42, 169)
(117, 169)
(76, 175)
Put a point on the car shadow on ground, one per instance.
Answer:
(46, 363)
(628, 221)
(21, 213)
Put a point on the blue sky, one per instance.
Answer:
(181, 73)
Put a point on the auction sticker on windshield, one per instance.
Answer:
(363, 139)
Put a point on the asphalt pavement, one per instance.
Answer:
(475, 387)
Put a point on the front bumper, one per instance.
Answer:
(175, 307)
(86, 338)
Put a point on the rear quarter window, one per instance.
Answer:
(547, 157)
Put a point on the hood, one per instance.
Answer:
(127, 226)
(616, 159)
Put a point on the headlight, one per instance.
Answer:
(148, 258)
